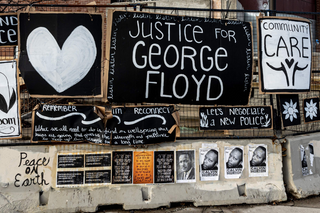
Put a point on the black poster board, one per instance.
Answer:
(178, 59)
(122, 167)
(311, 110)
(70, 161)
(70, 178)
(290, 110)
(164, 166)
(9, 29)
(223, 118)
(141, 125)
(98, 160)
(60, 53)
(67, 123)
(97, 176)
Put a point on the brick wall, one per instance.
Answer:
(318, 25)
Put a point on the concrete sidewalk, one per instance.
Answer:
(308, 205)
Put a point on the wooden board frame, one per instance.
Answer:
(99, 109)
(12, 14)
(271, 112)
(18, 101)
(175, 116)
(108, 41)
(102, 53)
(258, 18)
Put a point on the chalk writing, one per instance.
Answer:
(8, 32)
(140, 125)
(156, 45)
(235, 117)
(68, 123)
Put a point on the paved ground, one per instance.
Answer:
(308, 205)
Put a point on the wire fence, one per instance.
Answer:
(189, 114)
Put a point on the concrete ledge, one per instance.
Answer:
(298, 184)
(49, 198)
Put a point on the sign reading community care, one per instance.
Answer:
(173, 59)
(284, 55)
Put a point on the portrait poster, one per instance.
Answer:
(164, 167)
(290, 110)
(61, 53)
(143, 167)
(10, 123)
(304, 161)
(311, 110)
(68, 123)
(178, 59)
(233, 161)
(9, 29)
(312, 170)
(122, 167)
(258, 160)
(209, 164)
(311, 151)
(185, 166)
(285, 54)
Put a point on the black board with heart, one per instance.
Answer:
(285, 53)
(61, 54)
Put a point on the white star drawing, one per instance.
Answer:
(290, 110)
(311, 109)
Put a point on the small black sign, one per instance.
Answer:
(164, 166)
(122, 167)
(290, 110)
(70, 178)
(311, 109)
(179, 59)
(141, 125)
(97, 176)
(67, 123)
(212, 118)
(9, 32)
(98, 160)
(70, 161)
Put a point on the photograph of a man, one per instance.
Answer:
(210, 161)
(258, 160)
(235, 159)
(259, 157)
(185, 166)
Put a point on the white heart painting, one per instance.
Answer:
(62, 68)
